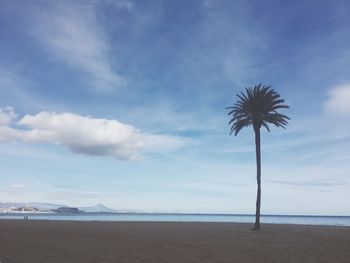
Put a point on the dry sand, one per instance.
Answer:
(64, 242)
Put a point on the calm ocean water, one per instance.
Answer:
(274, 219)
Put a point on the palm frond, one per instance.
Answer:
(257, 106)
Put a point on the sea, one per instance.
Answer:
(156, 217)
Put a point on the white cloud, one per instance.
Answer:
(7, 115)
(339, 100)
(89, 135)
(73, 34)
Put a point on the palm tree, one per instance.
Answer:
(257, 107)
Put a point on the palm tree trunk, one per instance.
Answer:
(258, 178)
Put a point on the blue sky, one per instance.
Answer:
(123, 103)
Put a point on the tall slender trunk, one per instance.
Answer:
(258, 177)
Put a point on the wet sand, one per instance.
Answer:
(64, 242)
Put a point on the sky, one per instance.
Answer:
(122, 102)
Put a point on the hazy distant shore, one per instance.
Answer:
(63, 241)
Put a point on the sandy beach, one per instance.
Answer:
(60, 241)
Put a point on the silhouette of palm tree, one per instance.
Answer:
(257, 107)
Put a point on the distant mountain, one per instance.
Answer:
(99, 208)
(67, 210)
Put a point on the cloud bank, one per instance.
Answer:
(85, 135)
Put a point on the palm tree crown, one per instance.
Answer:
(257, 106)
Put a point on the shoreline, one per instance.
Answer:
(163, 213)
(171, 222)
(214, 218)
(95, 241)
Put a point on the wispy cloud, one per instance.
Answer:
(309, 183)
(72, 33)
(72, 194)
(20, 90)
(119, 4)
(339, 100)
(14, 189)
(87, 135)
(170, 118)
